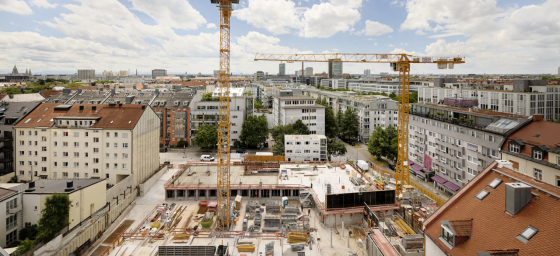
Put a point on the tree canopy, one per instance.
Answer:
(350, 124)
(206, 136)
(299, 128)
(378, 142)
(335, 147)
(339, 117)
(54, 216)
(278, 133)
(11, 90)
(254, 130)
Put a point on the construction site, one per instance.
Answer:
(317, 208)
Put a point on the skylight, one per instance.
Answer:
(482, 194)
(527, 234)
(495, 183)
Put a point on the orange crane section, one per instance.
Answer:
(399, 62)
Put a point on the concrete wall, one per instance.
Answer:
(84, 204)
(144, 187)
(145, 149)
(349, 219)
(30, 214)
(119, 189)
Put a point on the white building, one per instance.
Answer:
(11, 217)
(334, 83)
(87, 141)
(233, 92)
(288, 108)
(367, 72)
(524, 97)
(386, 87)
(305, 147)
(308, 71)
(207, 112)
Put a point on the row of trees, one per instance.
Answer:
(345, 124)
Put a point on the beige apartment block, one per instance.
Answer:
(105, 141)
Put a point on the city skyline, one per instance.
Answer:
(50, 36)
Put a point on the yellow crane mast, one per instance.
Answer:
(223, 156)
(399, 62)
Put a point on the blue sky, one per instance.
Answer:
(181, 36)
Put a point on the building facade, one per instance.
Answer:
(110, 141)
(335, 68)
(534, 150)
(282, 69)
(158, 72)
(288, 108)
(457, 148)
(386, 87)
(86, 74)
(305, 147)
(11, 217)
(309, 71)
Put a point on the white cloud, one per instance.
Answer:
(15, 6)
(43, 3)
(326, 19)
(211, 25)
(320, 20)
(276, 16)
(172, 13)
(374, 28)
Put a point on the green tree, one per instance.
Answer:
(258, 104)
(339, 117)
(254, 130)
(206, 136)
(350, 124)
(39, 88)
(393, 139)
(207, 97)
(41, 82)
(393, 96)
(378, 144)
(29, 232)
(278, 149)
(413, 97)
(25, 246)
(299, 128)
(335, 147)
(11, 90)
(249, 93)
(54, 216)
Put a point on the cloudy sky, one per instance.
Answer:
(50, 36)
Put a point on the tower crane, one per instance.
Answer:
(399, 62)
(223, 150)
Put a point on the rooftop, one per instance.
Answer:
(28, 97)
(469, 111)
(60, 186)
(110, 116)
(5, 193)
(304, 137)
(539, 133)
(15, 110)
(494, 229)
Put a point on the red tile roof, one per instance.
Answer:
(461, 227)
(492, 228)
(547, 132)
(110, 117)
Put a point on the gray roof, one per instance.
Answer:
(296, 97)
(304, 106)
(6, 193)
(59, 186)
(15, 110)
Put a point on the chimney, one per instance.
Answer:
(93, 108)
(120, 105)
(505, 163)
(81, 107)
(537, 118)
(66, 91)
(517, 196)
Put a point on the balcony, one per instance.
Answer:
(6, 138)
(15, 209)
(6, 148)
(454, 121)
(6, 160)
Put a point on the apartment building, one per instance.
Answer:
(207, 112)
(86, 74)
(534, 150)
(455, 144)
(334, 83)
(500, 212)
(111, 141)
(290, 106)
(11, 217)
(381, 86)
(10, 114)
(523, 97)
(305, 147)
(87, 197)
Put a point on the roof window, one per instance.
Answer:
(495, 183)
(537, 135)
(27, 121)
(482, 194)
(527, 234)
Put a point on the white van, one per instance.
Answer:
(206, 158)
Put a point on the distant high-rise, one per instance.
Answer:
(367, 72)
(282, 69)
(558, 71)
(216, 73)
(308, 71)
(86, 74)
(335, 68)
(158, 72)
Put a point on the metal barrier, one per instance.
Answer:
(424, 191)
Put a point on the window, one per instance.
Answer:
(115, 166)
(125, 145)
(95, 170)
(43, 159)
(514, 148)
(492, 152)
(95, 150)
(115, 155)
(44, 169)
(115, 145)
(54, 134)
(527, 234)
(495, 183)
(64, 174)
(107, 134)
(76, 144)
(116, 134)
(447, 236)
(95, 139)
(65, 144)
(125, 166)
(64, 164)
(21, 143)
(125, 155)
(76, 154)
(87, 144)
(537, 154)
(44, 149)
(76, 175)
(11, 221)
(107, 144)
(106, 155)
(482, 194)
(86, 155)
(64, 134)
(537, 174)
(106, 175)
(86, 134)
(76, 165)
(43, 138)
(106, 165)
(55, 164)
(21, 153)
(55, 144)
(64, 154)
(22, 133)
(96, 160)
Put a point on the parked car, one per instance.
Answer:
(241, 151)
(206, 158)
(392, 167)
